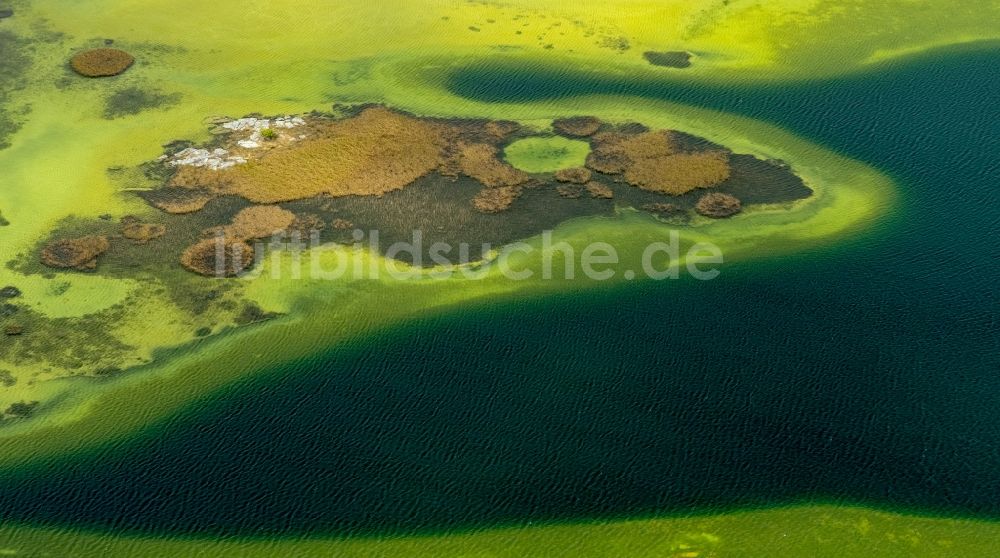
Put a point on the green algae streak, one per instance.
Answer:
(817, 531)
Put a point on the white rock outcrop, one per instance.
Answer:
(256, 125)
(219, 159)
(216, 159)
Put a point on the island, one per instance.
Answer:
(375, 168)
(215, 208)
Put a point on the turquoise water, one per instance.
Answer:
(864, 372)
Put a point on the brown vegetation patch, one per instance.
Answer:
(576, 176)
(570, 191)
(481, 161)
(607, 161)
(341, 224)
(679, 174)
(577, 126)
(614, 152)
(101, 62)
(204, 257)
(500, 129)
(306, 225)
(663, 208)
(718, 205)
(203, 180)
(496, 200)
(139, 232)
(75, 253)
(178, 200)
(373, 153)
(599, 191)
(259, 221)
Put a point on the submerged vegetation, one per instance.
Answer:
(133, 100)
(14, 62)
(671, 59)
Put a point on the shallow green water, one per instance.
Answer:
(865, 372)
(546, 154)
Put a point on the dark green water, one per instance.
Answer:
(866, 372)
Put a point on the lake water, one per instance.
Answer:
(868, 371)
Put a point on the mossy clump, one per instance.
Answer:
(669, 59)
(75, 253)
(570, 191)
(101, 62)
(306, 225)
(577, 126)
(652, 160)
(718, 205)
(133, 100)
(178, 200)
(481, 162)
(139, 232)
(500, 129)
(614, 152)
(218, 257)
(259, 221)
(598, 190)
(679, 174)
(578, 175)
(663, 208)
(269, 134)
(496, 200)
